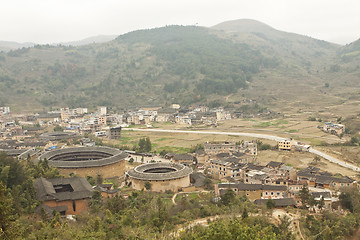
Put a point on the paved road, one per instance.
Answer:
(335, 160)
(255, 135)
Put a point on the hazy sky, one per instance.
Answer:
(52, 21)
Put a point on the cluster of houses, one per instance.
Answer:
(333, 128)
(234, 165)
(99, 123)
(283, 183)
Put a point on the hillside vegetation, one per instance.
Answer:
(186, 64)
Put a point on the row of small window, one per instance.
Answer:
(272, 193)
(341, 184)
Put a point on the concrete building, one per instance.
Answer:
(115, 133)
(101, 110)
(5, 110)
(286, 144)
(213, 148)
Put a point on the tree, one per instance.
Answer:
(316, 160)
(96, 201)
(147, 185)
(208, 183)
(228, 197)
(141, 144)
(4, 174)
(99, 179)
(245, 213)
(163, 152)
(305, 196)
(91, 180)
(58, 128)
(350, 199)
(270, 204)
(131, 160)
(6, 215)
(147, 146)
(321, 203)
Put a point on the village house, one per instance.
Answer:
(274, 165)
(213, 148)
(230, 167)
(106, 190)
(327, 198)
(222, 115)
(256, 177)
(185, 159)
(333, 128)
(202, 157)
(183, 119)
(253, 191)
(166, 115)
(320, 179)
(69, 196)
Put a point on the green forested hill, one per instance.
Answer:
(184, 64)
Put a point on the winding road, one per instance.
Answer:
(254, 135)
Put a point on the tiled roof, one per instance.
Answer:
(45, 189)
(247, 187)
(115, 156)
(274, 164)
(281, 202)
(183, 157)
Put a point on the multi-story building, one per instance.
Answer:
(102, 110)
(286, 144)
(115, 132)
(5, 110)
(213, 148)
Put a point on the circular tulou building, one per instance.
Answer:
(88, 161)
(162, 176)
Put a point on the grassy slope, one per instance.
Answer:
(285, 71)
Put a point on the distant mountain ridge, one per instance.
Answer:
(90, 40)
(226, 64)
(6, 46)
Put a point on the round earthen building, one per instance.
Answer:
(161, 176)
(88, 161)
